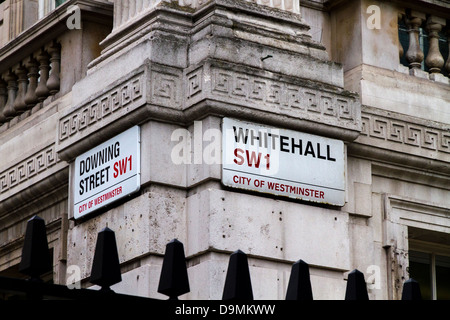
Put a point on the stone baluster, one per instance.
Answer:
(414, 54)
(434, 60)
(401, 17)
(3, 98)
(22, 79)
(42, 91)
(55, 60)
(447, 64)
(11, 80)
(31, 98)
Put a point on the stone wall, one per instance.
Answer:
(182, 67)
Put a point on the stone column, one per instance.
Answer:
(22, 14)
(117, 13)
(434, 60)
(15, 18)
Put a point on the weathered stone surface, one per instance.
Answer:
(229, 62)
(180, 67)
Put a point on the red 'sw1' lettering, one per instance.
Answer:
(120, 167)
(253, 158)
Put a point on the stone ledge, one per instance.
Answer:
(397, 92)
(275, 93)
(398, 131)
(411, 212)
(213, 88)
(241, 19)
(47, 183)
(405, 140)
(37, 167)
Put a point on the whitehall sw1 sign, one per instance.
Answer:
(107, 172)
(283, 162)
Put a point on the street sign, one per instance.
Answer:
(283, 162)
(107, 172)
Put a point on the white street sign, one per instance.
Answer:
(107, 172)
(283, 162)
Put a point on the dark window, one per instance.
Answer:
(442, 277)
(59, 2)
(13, 272)
(420, 270)
(432, 271)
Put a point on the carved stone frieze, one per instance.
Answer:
(415, 134)
(161, 88)
(122, 104)
(398, 138)
(110, 104)
(307, 105)
(289, 96)
(167, 93)
(28, 168)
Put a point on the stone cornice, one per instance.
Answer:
(438, 7)
(210, 88)
(403, 139)
(167, 16)
(38, 168)
(313, 4)
(29, 199)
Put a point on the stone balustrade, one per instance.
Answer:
(29, 82)
(432, 26)
(126, 10)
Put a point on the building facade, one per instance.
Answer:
(314, 130)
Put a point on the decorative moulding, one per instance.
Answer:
(169, 94)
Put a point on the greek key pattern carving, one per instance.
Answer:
(283, 94)
(165, 88)
(405, 132)
(194, 82)
(118, 98)
(28, 168)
